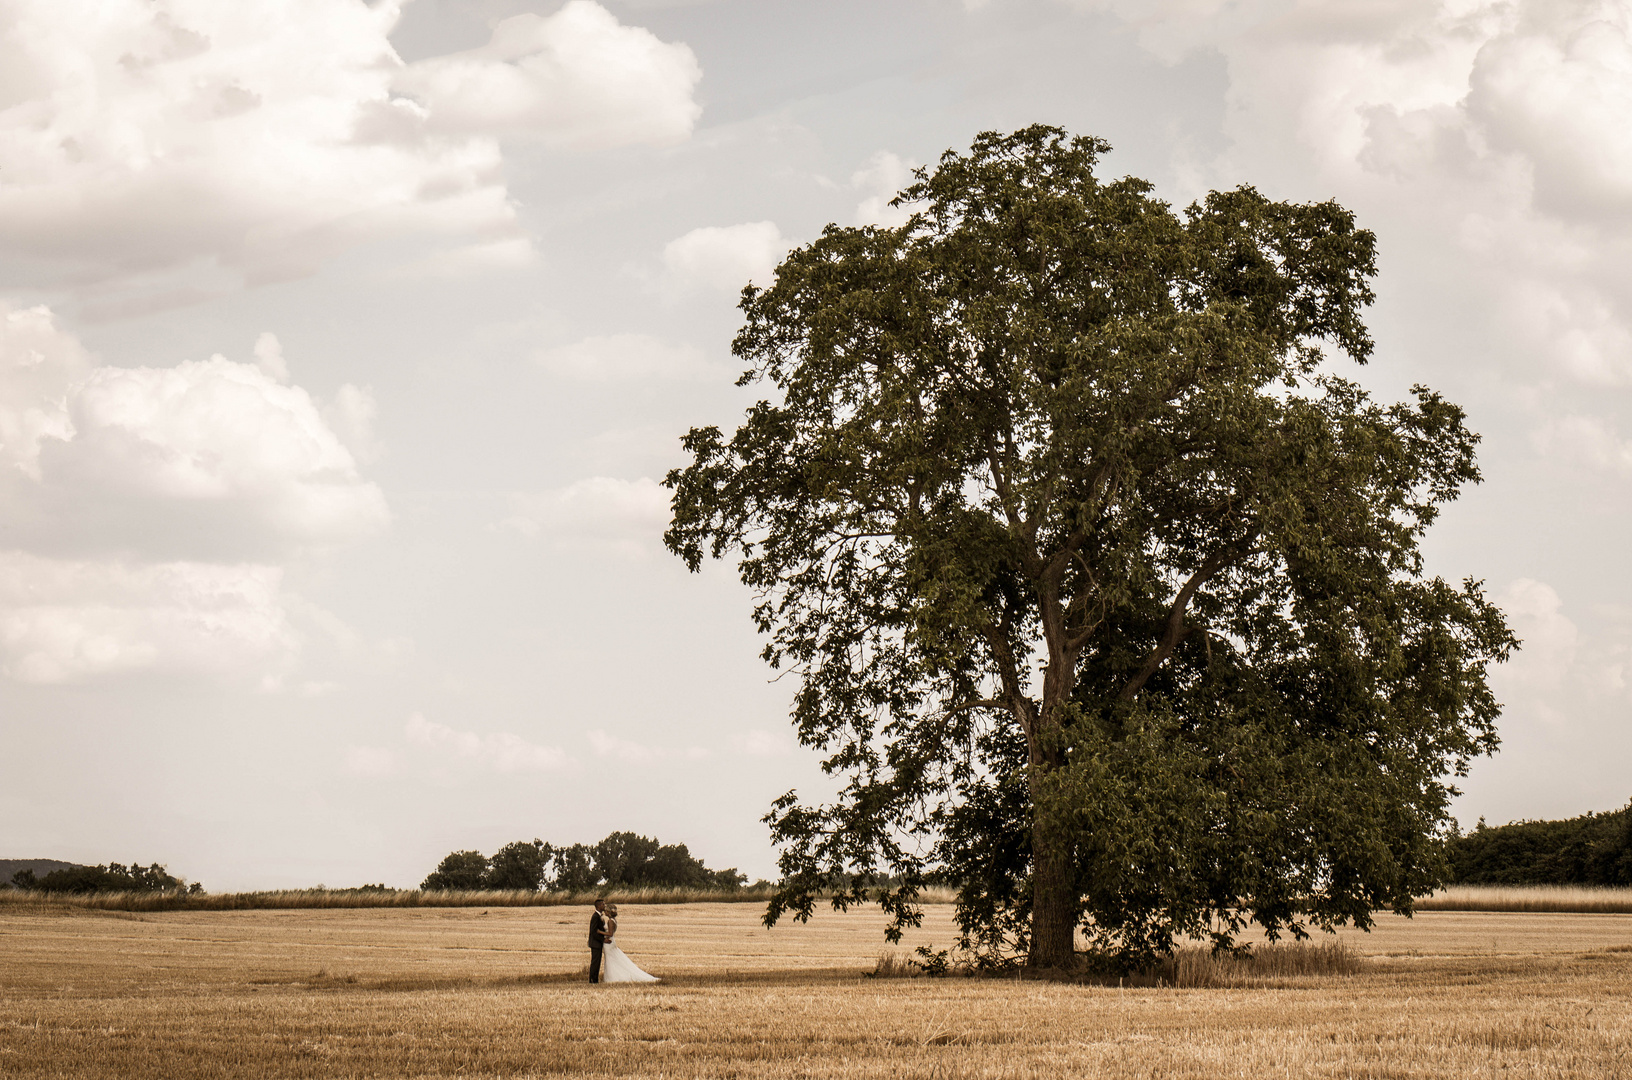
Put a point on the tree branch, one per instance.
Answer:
(1176, 629)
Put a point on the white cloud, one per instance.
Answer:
(38, 367)
(884, 175)
(1557, 89)
(724, 259)
(1574, 325)
(67, 620)
(351, 417)
(628, 358)
(1561, 675)
(148, 509)
(1499, 125)
(628, 750)
(498, 750)
(1588, 441)
(149, 145)
(627, 516)
(215, 431)
(576, 78)
(261, 136)
(269, 357)
(218, 452)
(766, 744)
(1536, 614)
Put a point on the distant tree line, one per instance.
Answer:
(1594, 849)
(114, 877)
(622, 860)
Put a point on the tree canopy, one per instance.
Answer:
(1594, 849)
(114, 877)
(1101, 586)
(621, 860)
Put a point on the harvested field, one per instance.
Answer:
(421, 992)
(1556, 898)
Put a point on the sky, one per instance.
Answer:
(343, 348)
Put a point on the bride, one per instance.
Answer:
(615, 966)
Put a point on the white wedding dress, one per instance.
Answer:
(616, 967)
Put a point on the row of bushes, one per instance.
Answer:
(1594, 849)
(623, 860)
(114, 877)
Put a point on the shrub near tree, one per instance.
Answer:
(1102, 588)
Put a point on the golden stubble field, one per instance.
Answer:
(468, 993)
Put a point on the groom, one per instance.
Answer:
(597, 940)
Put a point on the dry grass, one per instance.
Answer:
(1191, 967)
(1543, 898)
(428, 992)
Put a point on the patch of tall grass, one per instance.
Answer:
(1561, 899)
(1189, 967)
(1198, 966)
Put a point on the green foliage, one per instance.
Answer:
(521, 865)
(459, 870)
(113, 877)
(1102, 592)
(37, 868)
(575, 869)
(936, 963)
(623, 859)
(1594, 849)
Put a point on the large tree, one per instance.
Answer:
(1102, 588)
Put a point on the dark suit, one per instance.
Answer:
(597, 942)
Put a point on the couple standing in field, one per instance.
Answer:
(607, 963)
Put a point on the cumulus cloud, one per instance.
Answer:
(67, 620)
(614, 746)
(220, 434)
(626, 516)
(1536, 614)
(627, 358)
(1499, 127)
(209, 452)
(149, 145)
(1562, 674)
(724, 259)
(351, 417)
(38, 367)
(148, 508)
(767, 744)
(1556, 88)
(576, 78)
(499, 751)
(1588, 441)
(884, 175)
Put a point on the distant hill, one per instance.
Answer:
(1594, 849)
(41, 867)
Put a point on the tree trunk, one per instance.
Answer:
(1053, 897)
(1053, 904)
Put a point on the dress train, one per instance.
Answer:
(617, 967)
